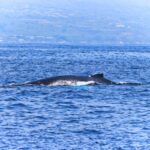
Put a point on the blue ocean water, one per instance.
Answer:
(104, 117)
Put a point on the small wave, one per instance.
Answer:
(131, 83)
(18, 106)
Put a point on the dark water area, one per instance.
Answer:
(104, 117)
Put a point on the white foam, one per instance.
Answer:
(123, 82)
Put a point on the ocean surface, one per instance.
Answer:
(103, 117)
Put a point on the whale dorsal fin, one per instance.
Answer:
(98, 75)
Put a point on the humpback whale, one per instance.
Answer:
(66, 80)
(73, 80)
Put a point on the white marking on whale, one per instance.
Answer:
(72, 83)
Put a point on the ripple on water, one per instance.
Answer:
(78, 117)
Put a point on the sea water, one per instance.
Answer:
(104, 117)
